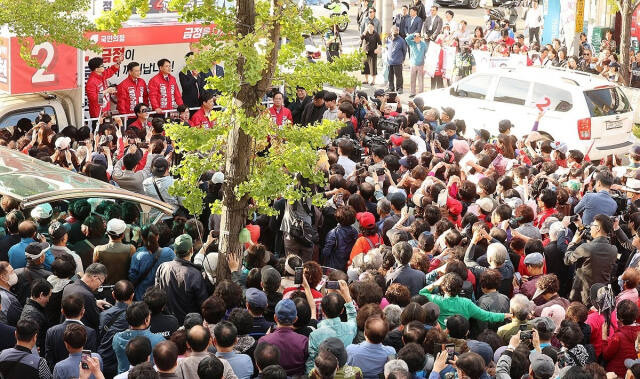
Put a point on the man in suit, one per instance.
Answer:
(432, 25)
(414, 23)
(72, 310)
(404, 274)
(192, 83)
(401, 20)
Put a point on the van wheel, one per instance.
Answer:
(473, 4)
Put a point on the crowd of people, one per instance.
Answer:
(435, 255)
(417, 25)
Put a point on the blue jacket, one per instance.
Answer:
(17, 257)
(418, 50)
(121, 339)
(396, 50)
(338, 245)
(140, 263)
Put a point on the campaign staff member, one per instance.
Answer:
(278, 111)
(142, 118)
(96, 89)
(163, 89)
(132, 90)
(200, 119)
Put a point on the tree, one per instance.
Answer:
(626, 9)
(61, 21)
(259, 42)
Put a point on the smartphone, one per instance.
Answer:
(297, 279)
(332, 285)
(85, 354)
(518, 277)
(526, 335)
(451, 348)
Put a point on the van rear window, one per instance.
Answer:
(607, 101)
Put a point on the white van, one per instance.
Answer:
(587, 112)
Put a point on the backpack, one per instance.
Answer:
(303, 232)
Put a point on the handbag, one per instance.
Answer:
(181, 211)
(303, 232)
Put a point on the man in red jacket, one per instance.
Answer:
(132, 90)
(278, 111)
(164, 93)
(97, 91)
(200, 119)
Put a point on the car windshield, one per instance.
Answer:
(607, 101)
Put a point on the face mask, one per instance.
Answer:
(13, 279)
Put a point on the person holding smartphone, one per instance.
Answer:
(75, 337)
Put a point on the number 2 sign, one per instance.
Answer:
(58, 68)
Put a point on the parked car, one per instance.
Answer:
(473, 4)
(587, 112)
(33, 182)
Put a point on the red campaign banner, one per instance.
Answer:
(58, 71)
(151, 35)
(4, 64)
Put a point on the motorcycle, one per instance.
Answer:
(508, 14)
(339, 8)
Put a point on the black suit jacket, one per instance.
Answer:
(55, 351)
(7, 336)
(413, 27)
(192, 87)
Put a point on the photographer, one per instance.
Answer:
(598, 257)
(598, 202)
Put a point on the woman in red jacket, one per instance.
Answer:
(622, 344)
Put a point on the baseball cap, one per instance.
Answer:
(560, 146)
(58, 229)
(378, 92)
(63, 143)
(449, 111)
(192, 319)
(285, 311)
(217, 178)
(635, 149)
(335, 346)
(366, 219)
(42, 211)
(182, 244)
(483, 349)
(545, 322)
(270, 278)
(35, 250)
(256, 297)
(116, 227)
(404, 162)
(486, 204)
(534, 259)
(541, 365)
(99, 158)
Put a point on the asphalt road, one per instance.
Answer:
(351, 41)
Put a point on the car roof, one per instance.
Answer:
(555, 75)
(32, 182)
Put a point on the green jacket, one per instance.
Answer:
(450, 306)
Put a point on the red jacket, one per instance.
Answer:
(96, 84)
(199, 119)
(131, 93)
(619, 347)
(280, 116)
(164, 93)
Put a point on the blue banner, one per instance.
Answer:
(551, 21)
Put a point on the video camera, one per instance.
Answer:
(357, 154)
(389, 125)
(369, 141)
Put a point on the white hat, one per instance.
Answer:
(63, 143)
(116, 226)
(486, 204)
(217, 178)
(633, 185)
(42, 211)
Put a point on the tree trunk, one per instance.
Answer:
(239, 144)
(238, 159)
(626, 11)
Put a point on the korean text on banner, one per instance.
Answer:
(579, 16)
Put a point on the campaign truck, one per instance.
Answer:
(57, 87)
